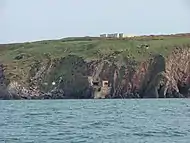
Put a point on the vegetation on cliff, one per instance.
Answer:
(66, 59)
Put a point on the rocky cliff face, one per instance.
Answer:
(4, 94)
(72, 77)
(177, 72)
(1, 74)
(159, 77)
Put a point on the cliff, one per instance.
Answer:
(140, 67)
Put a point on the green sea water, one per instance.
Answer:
(95, 121)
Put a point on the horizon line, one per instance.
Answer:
(135, 35)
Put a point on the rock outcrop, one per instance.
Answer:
(4, 94)
(160, 77)
(2, 77)
(178, 73)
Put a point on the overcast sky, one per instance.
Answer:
(30, 20)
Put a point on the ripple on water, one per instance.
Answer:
(95, 121)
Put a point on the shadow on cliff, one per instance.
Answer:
(150, 84)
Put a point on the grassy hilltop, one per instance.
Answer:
(20, 56)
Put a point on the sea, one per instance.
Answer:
(95, 121)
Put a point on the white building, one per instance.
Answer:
(103, 35)
(129, 35)
(113, 35)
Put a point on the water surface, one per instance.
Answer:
(95, 121)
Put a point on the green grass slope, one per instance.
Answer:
(19, 57)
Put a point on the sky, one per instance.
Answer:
(31, 20)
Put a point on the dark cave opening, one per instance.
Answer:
(184, 88)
